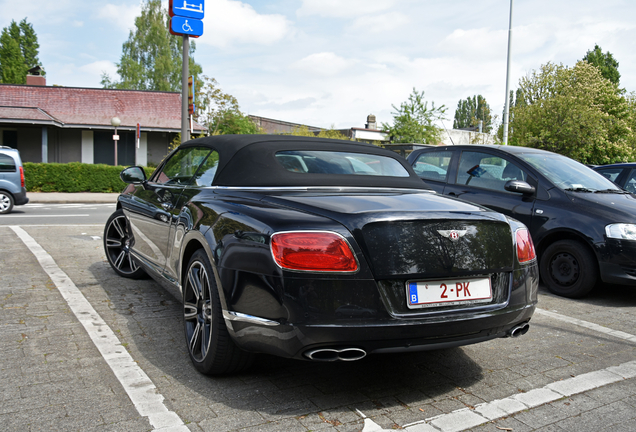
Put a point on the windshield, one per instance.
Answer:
(568, 174)
(332, 162)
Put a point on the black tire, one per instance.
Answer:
(211, 348)
(118, 239)
(6, 202)
(568, 268)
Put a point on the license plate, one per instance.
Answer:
(448, 292)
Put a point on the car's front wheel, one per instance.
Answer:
(211, 349)
(568, 268)
(118, 239)
(6, 202)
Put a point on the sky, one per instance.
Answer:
(331, 63)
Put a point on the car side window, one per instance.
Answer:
(207, 170)
(433, 165)
(487, 171)
(630, 184)
(7, 164)
(181, 166)
(610, 173)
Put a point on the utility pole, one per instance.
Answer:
(185, 133)
(506, 116)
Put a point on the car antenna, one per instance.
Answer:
(449, 135)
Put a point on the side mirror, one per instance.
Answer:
(133, 175)
(519, 186)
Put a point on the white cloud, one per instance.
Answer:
(323, 64)
(229, 22)
(381, 23)
(344, 9)
(122, 16)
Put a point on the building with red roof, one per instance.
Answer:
(70, 124)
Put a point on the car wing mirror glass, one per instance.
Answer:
(133, 175)
(519, 186)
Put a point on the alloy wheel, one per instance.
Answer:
(118, 239)
(197, 311)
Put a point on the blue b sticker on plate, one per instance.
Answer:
(413, 293)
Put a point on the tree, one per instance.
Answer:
(323, 133)
(575, 112)
(413, 121)
(472, 110)
(151, 57)
(18, 52)
(605, 62)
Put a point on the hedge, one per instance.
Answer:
(74, 177)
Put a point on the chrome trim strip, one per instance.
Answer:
(319, 189)
(237, 316)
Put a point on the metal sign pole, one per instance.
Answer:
(185, 133)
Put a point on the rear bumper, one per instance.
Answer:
(374, 337)
(20, 198)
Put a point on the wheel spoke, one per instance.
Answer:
(194, 282)
(117, 225)
(113, 243)
(189, 311)
(120, 259)
(194, 340)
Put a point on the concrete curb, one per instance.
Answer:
(71, 198)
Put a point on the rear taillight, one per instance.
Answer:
(318, 251)
(22, 177)
(525, 247)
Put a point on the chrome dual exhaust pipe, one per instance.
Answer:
(336, 354)
(519, 330)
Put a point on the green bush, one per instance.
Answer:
(74, 177)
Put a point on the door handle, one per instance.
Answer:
(453, 194)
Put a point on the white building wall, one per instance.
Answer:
(87, 147)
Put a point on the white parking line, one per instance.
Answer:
(588, 325)
(467, 418)
(43, 216)
(141, 390)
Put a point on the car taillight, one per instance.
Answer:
(21, 177)
(525, 247)
(313, 251)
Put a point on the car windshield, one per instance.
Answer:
(333, 162)
(568, 174)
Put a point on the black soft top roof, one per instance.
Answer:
(249, 160)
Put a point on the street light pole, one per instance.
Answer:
(115, 122)
(506, 115)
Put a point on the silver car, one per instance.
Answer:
(12, 187)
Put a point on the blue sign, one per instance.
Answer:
(188, 8)
(186, 26)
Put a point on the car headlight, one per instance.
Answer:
(621, 231)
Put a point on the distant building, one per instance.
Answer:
(71, 124)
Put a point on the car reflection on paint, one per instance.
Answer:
(318, 250)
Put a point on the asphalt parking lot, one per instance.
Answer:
(83, 349)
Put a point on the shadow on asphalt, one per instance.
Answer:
(275, 386)
(603, 295)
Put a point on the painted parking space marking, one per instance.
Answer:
(140, 389)
(587, 324)
(21, 216)
(466, 418)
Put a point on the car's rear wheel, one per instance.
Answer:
(568, 268)
(6, 202)
(211, 349)
(118, 239)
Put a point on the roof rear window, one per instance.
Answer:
(333, 162)
(7, 164)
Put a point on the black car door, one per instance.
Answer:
(480, 178)
(156, 203)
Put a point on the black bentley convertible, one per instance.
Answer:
(319, 250)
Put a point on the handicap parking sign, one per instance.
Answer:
(186, 26)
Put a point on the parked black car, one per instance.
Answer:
(583, 225)
(623, 174)
(318, 250)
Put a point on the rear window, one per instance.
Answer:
(332, 162)
(7, 164)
